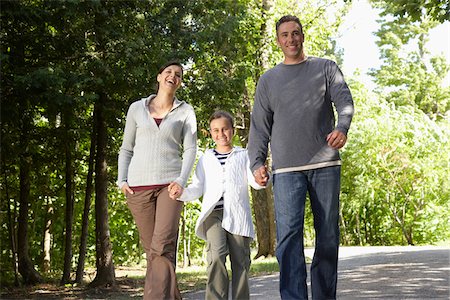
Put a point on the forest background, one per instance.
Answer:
(70, 69)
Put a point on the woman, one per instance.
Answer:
(155, 160)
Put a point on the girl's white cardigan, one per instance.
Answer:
(212, 181)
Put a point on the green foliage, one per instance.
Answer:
(398, 192)
(320, 20)
(416, 10)
(392, 164)
(225, 36)
(408, 75)
(125, 240)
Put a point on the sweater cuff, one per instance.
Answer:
(342, 129)
(180, 181)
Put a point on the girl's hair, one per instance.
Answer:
(222, 114)
(164, 66)
(288, 18)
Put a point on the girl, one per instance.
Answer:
(222, 176)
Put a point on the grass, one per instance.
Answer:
(194, 278)
(444, 243)
(129, 283)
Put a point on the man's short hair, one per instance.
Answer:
(288, 18)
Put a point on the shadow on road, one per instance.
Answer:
(383, 273)
(399, 275)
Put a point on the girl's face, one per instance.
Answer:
(170, 78)
(222, 133)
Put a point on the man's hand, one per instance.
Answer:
(261, 175)
(336, 139)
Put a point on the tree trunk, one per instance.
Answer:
(46, 245)
(343, 230)
(69, 200)
(265, 226)
(189, 250)
(263, 207)
(105, 268)
(183, 238)
(11, 231)
(26, 267)
(266, 33)
(87, 204)
(263, 204)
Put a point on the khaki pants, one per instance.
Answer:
(157, 217)
(220, 243)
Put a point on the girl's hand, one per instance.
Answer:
(261, 176)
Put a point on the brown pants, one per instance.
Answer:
(157, 217)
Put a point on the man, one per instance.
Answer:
(293, 111)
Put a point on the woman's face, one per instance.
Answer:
(170, 78)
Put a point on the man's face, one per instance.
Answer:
(290, 40)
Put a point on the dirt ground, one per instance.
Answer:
(129, 285)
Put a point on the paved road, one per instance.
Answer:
(375, 273)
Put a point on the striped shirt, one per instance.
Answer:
(222, 157)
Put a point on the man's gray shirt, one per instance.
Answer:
(293, 111)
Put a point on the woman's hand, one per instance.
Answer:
(125, 188)
(175, 190)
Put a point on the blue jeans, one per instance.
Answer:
(323, 186)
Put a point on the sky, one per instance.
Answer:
(358, 41)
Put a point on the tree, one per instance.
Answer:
(17, 120)
(416, 10)
(404, 159)
(411, 77)
(68, 116)
(263, 205)
(104, 261)
(394, 159)
(87, 204)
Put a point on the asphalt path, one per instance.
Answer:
(412, 272)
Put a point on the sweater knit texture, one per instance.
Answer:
(293, 111)
(212, 181)
(152, 155)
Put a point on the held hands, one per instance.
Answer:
(175, 190)
(336, 139)
(261, 176)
